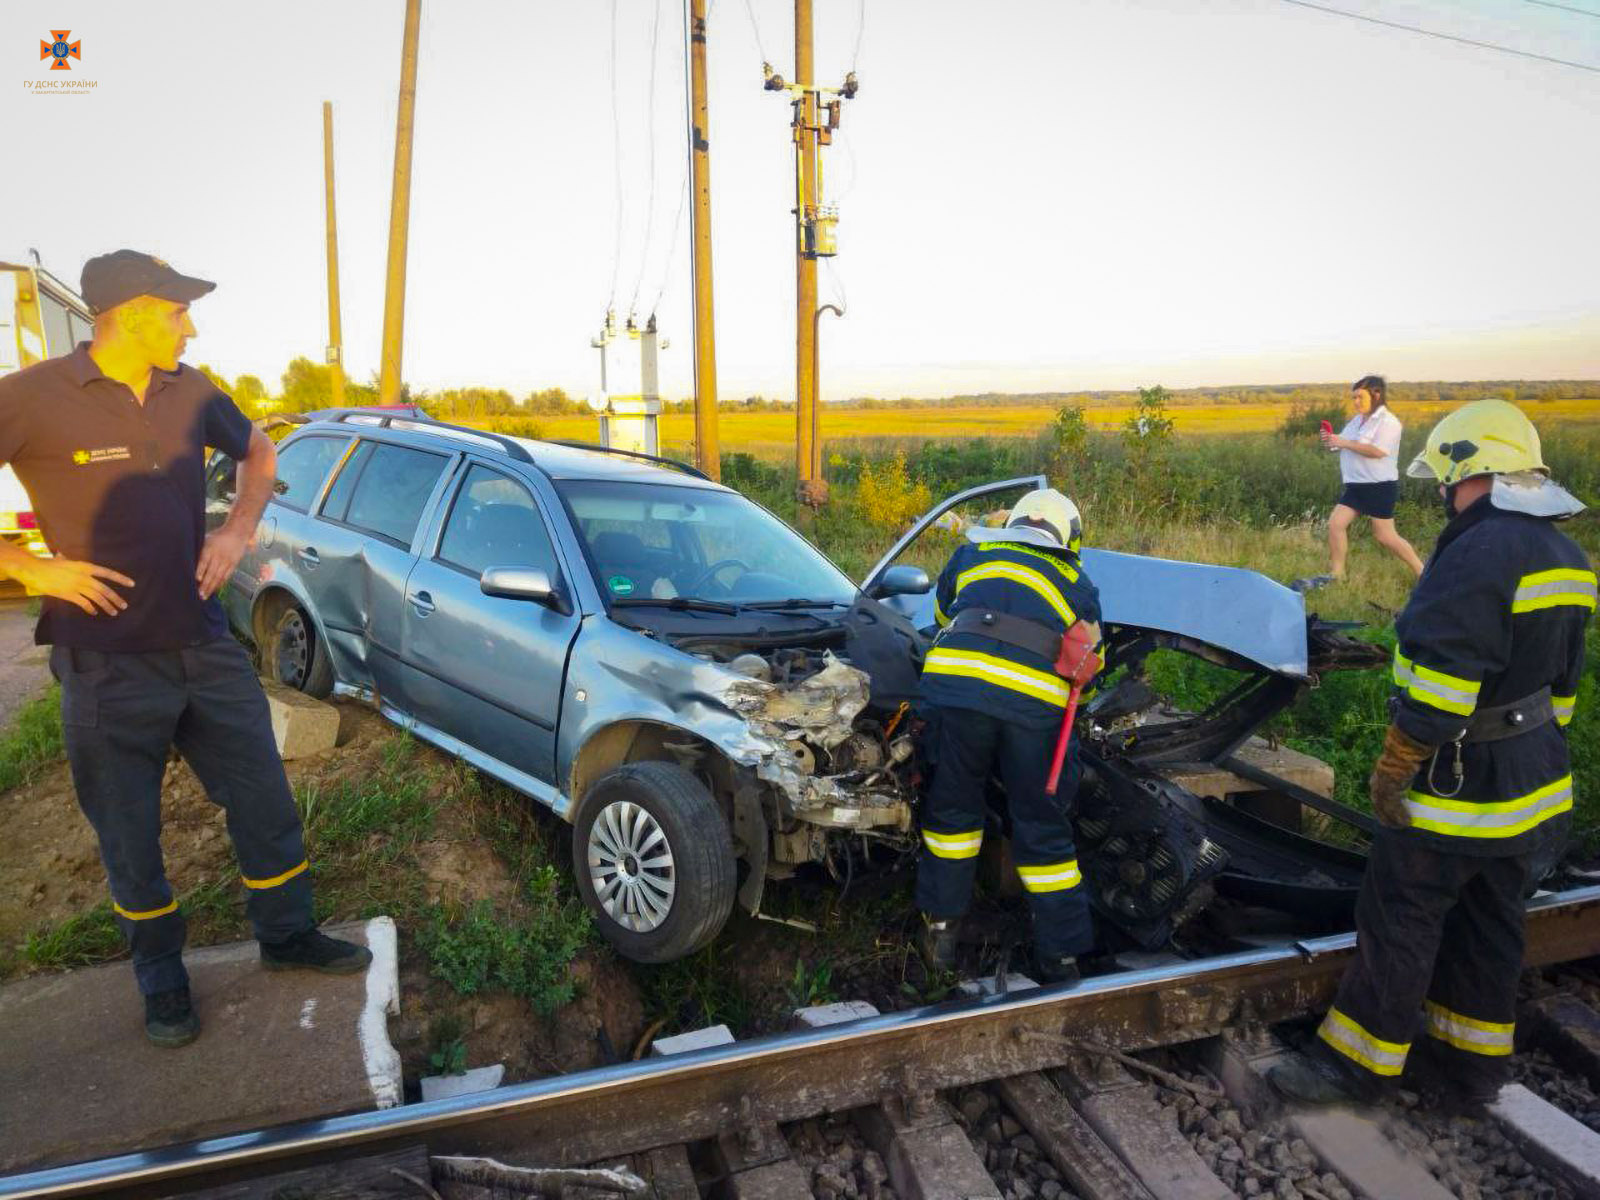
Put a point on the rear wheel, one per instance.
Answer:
(295, 656)
(654, 861)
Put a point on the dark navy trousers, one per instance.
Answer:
(122, 714)
(972, 747)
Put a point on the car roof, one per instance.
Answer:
(557, 460)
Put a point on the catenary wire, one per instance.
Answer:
(1582, 12)
(1448, 37)
(650, 133)
(861, 27)
(755, 28)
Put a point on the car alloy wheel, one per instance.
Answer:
(631, 867)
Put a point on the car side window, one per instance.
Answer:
(494, 522)
(337, 503)
(392, 491)
(302, 466)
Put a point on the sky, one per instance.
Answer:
(1035, 195)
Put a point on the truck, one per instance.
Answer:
(40, 317)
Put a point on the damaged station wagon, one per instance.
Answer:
(711, 703)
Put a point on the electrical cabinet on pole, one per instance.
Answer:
(394, 299)
(335, 355)
(707, 452)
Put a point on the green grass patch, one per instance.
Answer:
(87, 938)
(33, 742)
(480, 950)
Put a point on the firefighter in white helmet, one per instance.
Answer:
(995, 702)
(1474, 785)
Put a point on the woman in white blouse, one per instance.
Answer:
(1369, 449)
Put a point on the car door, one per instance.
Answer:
(930, 554)
(360, 555)
(488, 670)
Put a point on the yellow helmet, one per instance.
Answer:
(1053, 509)
(1486, 437)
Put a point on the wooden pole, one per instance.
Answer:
(707, 452)
(805, 136)
(335, 337)
(394, 299)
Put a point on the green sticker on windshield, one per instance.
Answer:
(620, 585)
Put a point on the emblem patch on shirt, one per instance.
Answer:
(86, 458)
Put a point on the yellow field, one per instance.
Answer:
(771, 434)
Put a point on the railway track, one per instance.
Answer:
(1010, 1095)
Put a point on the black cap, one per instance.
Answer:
(112, 279)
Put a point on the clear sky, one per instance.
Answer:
(1035, 194)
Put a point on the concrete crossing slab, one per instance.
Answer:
(79, 1080)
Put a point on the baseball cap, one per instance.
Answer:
(112, 279)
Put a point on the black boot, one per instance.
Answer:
(314, 950)
(938, 942)
(1056, 968)
(169, 1018)
(1314, 1077)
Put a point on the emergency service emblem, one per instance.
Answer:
(60, 49)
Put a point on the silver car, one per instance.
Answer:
(707, 699)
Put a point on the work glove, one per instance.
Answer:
(1392, 775)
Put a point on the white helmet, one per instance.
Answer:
(1043, 518)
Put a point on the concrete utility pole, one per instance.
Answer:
(812, 491)
(707, 452)
(335, 339)
(394, 299)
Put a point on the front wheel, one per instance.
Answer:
(654, 861)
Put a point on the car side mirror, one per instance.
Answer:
(903, 580)
(521, 583)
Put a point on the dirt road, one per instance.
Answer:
(24, 667)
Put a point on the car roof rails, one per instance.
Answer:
(675, 463)
(391, 418)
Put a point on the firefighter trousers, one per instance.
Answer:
(1439, 941)
(122, 714)
(972, 747)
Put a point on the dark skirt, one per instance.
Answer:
(1371, 499)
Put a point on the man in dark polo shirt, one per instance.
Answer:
(110, 443)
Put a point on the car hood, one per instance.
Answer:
(1239, 611)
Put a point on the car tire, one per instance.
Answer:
(654, 861)
(295, 656)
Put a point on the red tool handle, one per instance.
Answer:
(1077, 663)
(1060, 758)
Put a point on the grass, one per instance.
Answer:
(33, 742)
(480, 949)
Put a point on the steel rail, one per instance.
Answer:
(635, 1106)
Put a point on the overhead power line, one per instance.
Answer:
(1582, 12)
(650, 128)
(1448, 37)
(616, 148)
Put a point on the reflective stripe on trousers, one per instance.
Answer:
(1348, 1037)
(1493, 1038)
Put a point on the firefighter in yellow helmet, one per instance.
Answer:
(995, 707)
(1474, 785)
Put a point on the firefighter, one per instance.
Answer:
(996, 707)
(1474, 785)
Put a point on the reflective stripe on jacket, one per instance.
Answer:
(968, 670)
(1499, 614)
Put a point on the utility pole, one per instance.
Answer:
(394, 299)
(335, 339)
(805, 275)
(816, 236)
(708, 456)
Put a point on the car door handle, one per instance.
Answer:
(422, 602)
(309, 556)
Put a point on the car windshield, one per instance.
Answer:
(653, 542)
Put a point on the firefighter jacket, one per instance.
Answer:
(969, 670)
(1498, 616)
